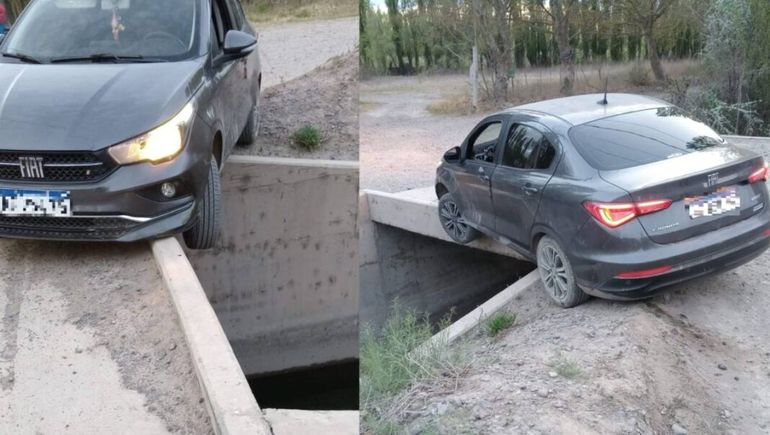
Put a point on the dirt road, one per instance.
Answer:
(89, 343)
(289, 50)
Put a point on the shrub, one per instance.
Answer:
(499, 322)
(639, 75)
(308, 138)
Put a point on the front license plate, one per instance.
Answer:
(720, 202)
(35, 203)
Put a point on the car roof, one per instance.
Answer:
(580, 109)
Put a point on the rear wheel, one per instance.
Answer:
(453, 222)
(205, 231)
(251, 131)
(557, 275)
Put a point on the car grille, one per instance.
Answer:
(65, 227)
(57, 167)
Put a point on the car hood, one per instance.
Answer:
(86, 107)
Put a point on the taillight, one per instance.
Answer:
(616, 214)
(761, 174)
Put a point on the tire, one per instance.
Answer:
(251, 130)
(557, 274)
(205, 231)
(453, 222)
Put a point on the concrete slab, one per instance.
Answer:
(294, 422)
(284, 278)
(496, 303)
(233, 408)
(417, 267)
(416, 211)
(89, 343)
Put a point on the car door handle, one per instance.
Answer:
(530, 190)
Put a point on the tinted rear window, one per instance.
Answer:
(638, 138)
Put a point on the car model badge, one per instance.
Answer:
(712, 179)
(31, 167)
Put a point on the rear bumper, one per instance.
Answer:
(717, 251)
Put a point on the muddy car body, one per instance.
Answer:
(117, 117)
(616, 200)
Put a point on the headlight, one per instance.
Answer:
(160, 144)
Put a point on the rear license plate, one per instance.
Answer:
(35, 203)
(720, 202)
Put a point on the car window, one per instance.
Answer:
(642, 137)
(236, 13)
(218, 27)
(57, 29)
(527, 148)
(483, 144)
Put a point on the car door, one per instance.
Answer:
(475, 172)
(525, 166)
(231, 87)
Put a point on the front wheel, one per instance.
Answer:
(557, 274)
(205, 231)
(453, 221)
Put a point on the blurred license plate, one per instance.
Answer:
(719, 202)
(35, 203)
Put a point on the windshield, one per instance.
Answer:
(53, 30)
(642, 137)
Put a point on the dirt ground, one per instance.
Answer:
(695, 359)
(90, 343)
(326, 98)
(310, 77)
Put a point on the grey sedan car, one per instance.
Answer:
(615, 197)
(116, 117)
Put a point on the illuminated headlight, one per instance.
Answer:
(158, 145)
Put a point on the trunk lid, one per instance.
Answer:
(718, 175)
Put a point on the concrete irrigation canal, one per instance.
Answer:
(146, 338)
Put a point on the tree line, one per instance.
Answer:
(409, 36)
(497, 37)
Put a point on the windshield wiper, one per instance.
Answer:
(102, 57)
(22, 57)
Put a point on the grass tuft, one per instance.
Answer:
(390, 366)
(308, 138)
(498, 323)
(567, 368)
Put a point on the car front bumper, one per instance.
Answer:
(124, 206)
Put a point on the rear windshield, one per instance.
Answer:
(642, 137)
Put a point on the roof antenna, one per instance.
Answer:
(604, 101)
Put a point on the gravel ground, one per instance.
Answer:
(290, 50)
(90, 343)
(696, 358)
(310, 78)
(326, 98)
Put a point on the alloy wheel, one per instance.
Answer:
(553, 272)
(453, 221)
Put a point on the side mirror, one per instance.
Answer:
(239, 44)
(452, 155)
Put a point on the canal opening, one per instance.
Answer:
(430, 276)
(327, 387)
